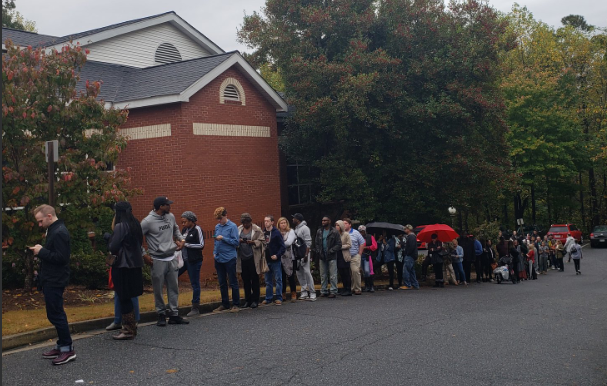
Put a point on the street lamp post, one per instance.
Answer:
(452, 213)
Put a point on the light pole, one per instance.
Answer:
(452, 213)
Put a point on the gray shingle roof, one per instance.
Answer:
(25, 38)
(122, 84)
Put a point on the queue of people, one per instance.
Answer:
(280, 251)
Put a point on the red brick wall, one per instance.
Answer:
(200, 173)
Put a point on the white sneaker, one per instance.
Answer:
(390, 289)
(312, 297)
(304, 295)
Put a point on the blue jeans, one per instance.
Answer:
(228, 270)
(409, 276)
(194, 274)
(53, 298)
(275, 273)
(460, 275)
(328, 273)
(118, 312)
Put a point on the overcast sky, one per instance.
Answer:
(219, 19)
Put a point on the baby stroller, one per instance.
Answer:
(504, 271)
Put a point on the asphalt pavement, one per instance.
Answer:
(552, 331)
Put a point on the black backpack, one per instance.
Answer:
(299, 248)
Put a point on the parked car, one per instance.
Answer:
(416, 230)
(598, 236)
(560, 231)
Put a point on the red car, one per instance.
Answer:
(560, 231)
(420, 245)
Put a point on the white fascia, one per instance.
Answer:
(172, 18)
(236, 59)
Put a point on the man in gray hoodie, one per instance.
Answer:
(306, 281)
(163, 238)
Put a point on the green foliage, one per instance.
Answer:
(13, 19)
(40, 103)
(488, 231)
(403, 94)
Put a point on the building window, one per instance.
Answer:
(167, 53)
(299, 181)
(231, 92)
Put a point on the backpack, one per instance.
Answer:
(299, 248)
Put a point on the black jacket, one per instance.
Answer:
(194, 243)
(411, 246)
(55, 256)
(126, 247)
(333, 244)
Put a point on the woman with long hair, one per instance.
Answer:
(125, 244)
(289, 264)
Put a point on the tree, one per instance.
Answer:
(577, 21)
(13, 19)
(383, 85)
(41, 102)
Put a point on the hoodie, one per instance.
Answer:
(225, 249)
(160, 233)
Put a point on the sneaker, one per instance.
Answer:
(293, 296)
(64, 357)
(162, 322)
(266, 302)
(278, 302)
(331, 296)
(312, 297)
(220, 308)
(193, 312)
(254, 305)
(177, 320)
(235, 308)
(390, 289)
(303, 296)
(358, 293)
(51, 354)
(114, 326)
(372, 289)
(404, 288)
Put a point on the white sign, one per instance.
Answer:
(520, 221)
(55, 145)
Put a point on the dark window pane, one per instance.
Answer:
(304, 193)
(293, 195)
(292, 175)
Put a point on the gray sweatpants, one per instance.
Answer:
(165, 272)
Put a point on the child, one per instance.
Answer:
(576, 255)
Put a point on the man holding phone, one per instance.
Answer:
(54, 277)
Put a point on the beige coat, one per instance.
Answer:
(258, 249)
(346, 241)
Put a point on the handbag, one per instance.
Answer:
(179, 259)
(264, 265)
(110, 259)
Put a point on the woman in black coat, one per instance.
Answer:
(125, 244)
(435, 249)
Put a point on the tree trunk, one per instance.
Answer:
(548, 203)
(582, 206)
(533, 204)
(594, 210)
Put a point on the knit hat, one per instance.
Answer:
(189, 215)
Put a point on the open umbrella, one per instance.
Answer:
(379, 227)
(444, 232)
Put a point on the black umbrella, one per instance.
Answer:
(379, 227)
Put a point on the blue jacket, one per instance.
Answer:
(225, 249)
(388, 253)
(478, 248)
(276, 246)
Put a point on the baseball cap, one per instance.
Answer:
(298, 216)
(162, 200)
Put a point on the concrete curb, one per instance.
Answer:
(11, 342)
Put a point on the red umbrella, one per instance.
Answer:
(444, 232)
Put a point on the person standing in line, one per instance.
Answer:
(544, 252)
(343, 258)
(54, 276)
(289, 263)
(387, 247)
(304, 275)
(449, 276)
(224, 252)
(275, 248)
(127, 275)
(435, 248)
(410, 258)
(576, 255)
(191, 253)
(457, 259)
(327, 244)
(356, 252)
(559, 252)
(399, 247)
(250, 259)
(369, 252)
(488, 260)
(467, 244)
(478, 259)
(531, 261)
(163, 238)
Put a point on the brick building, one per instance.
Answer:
(202, 123)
